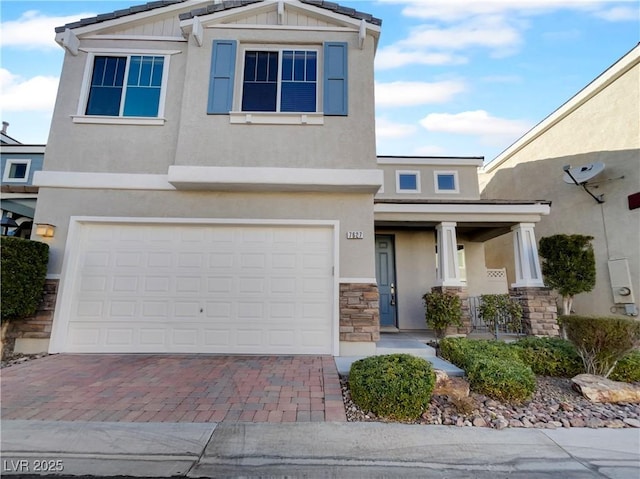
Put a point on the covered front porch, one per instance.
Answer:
(423, 245)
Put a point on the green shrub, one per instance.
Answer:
(442, 310)
(394, 386)
(463, 351)
(627, 369)
(504, 380)
(600, 341)
(494, 368)
(550, 356)
(494, 307)
(24, 270)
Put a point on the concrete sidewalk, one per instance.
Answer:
(325, 450)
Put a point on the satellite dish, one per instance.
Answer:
(582, 174)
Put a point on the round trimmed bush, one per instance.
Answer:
(394, 386)
(504, 380)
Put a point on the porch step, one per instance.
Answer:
(388, 344)
(343, 363)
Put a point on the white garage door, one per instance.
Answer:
(198, 288)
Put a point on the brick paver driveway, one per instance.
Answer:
(173, 388)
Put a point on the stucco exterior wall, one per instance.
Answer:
(123, 148)
(604, 128)
(341, 142)
(353, 211)
(467, 181)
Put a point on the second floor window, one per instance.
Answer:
(126, 86)
(284, 81)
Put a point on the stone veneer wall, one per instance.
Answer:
(359, 312)
(39, 325)
(539, 311)
(462, 292)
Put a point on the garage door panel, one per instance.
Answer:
(195, 288)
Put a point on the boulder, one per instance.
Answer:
(601, 390)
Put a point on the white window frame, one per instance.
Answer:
(81, 117)
(310, 117)
(16, 161)
(453, 173)
(407, 172)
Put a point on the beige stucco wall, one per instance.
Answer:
(605, 128)
(342, 142)
(415, 255)
(353, 211)
(121, 148)
(467, 178)
(191, 137)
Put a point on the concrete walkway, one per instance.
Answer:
(324, 450)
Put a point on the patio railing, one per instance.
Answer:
(503, 325)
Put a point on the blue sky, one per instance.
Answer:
(453, 77)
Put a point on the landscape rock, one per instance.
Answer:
(602, 390)
(451, 386)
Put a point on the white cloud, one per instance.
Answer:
(393, 57)
(455, 27)
(429, 150)
(386, 128)
(490, 129)
(34, 29)
(32, 94)
(406, 93)
(454, 10)
(619, 14)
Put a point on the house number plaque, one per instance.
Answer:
(355, 235)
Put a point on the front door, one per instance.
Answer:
(386, 277)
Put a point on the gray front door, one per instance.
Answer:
(386, 277)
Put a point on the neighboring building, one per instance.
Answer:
(19, 196)
(600, 124)
(212, 175)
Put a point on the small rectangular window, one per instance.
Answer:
(138, 96)
(446, 181)
(16, 170)
(407, 182)
(284, 81)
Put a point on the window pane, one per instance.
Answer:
(104, 101)
(142, 101)
(298, 96)
(408, 182)
(259, 97)
(311, 66)
(299, 63)
(287, 65)
(156, 76)
(260, 87)
(18, 170)
(250, 60)
(145, 71)
(141, 98)
(106, 86)
(446, 182)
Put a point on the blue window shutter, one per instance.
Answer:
(336, 101)
(223, 65)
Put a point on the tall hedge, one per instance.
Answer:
(24, 270)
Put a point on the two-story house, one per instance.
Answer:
(212, 176)
(18, 164)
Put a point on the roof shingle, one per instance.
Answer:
(212, 8)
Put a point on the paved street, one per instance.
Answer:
(323, 450)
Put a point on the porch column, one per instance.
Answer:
(528, 273)
(448, 270)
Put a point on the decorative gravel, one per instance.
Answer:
(555, 404)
